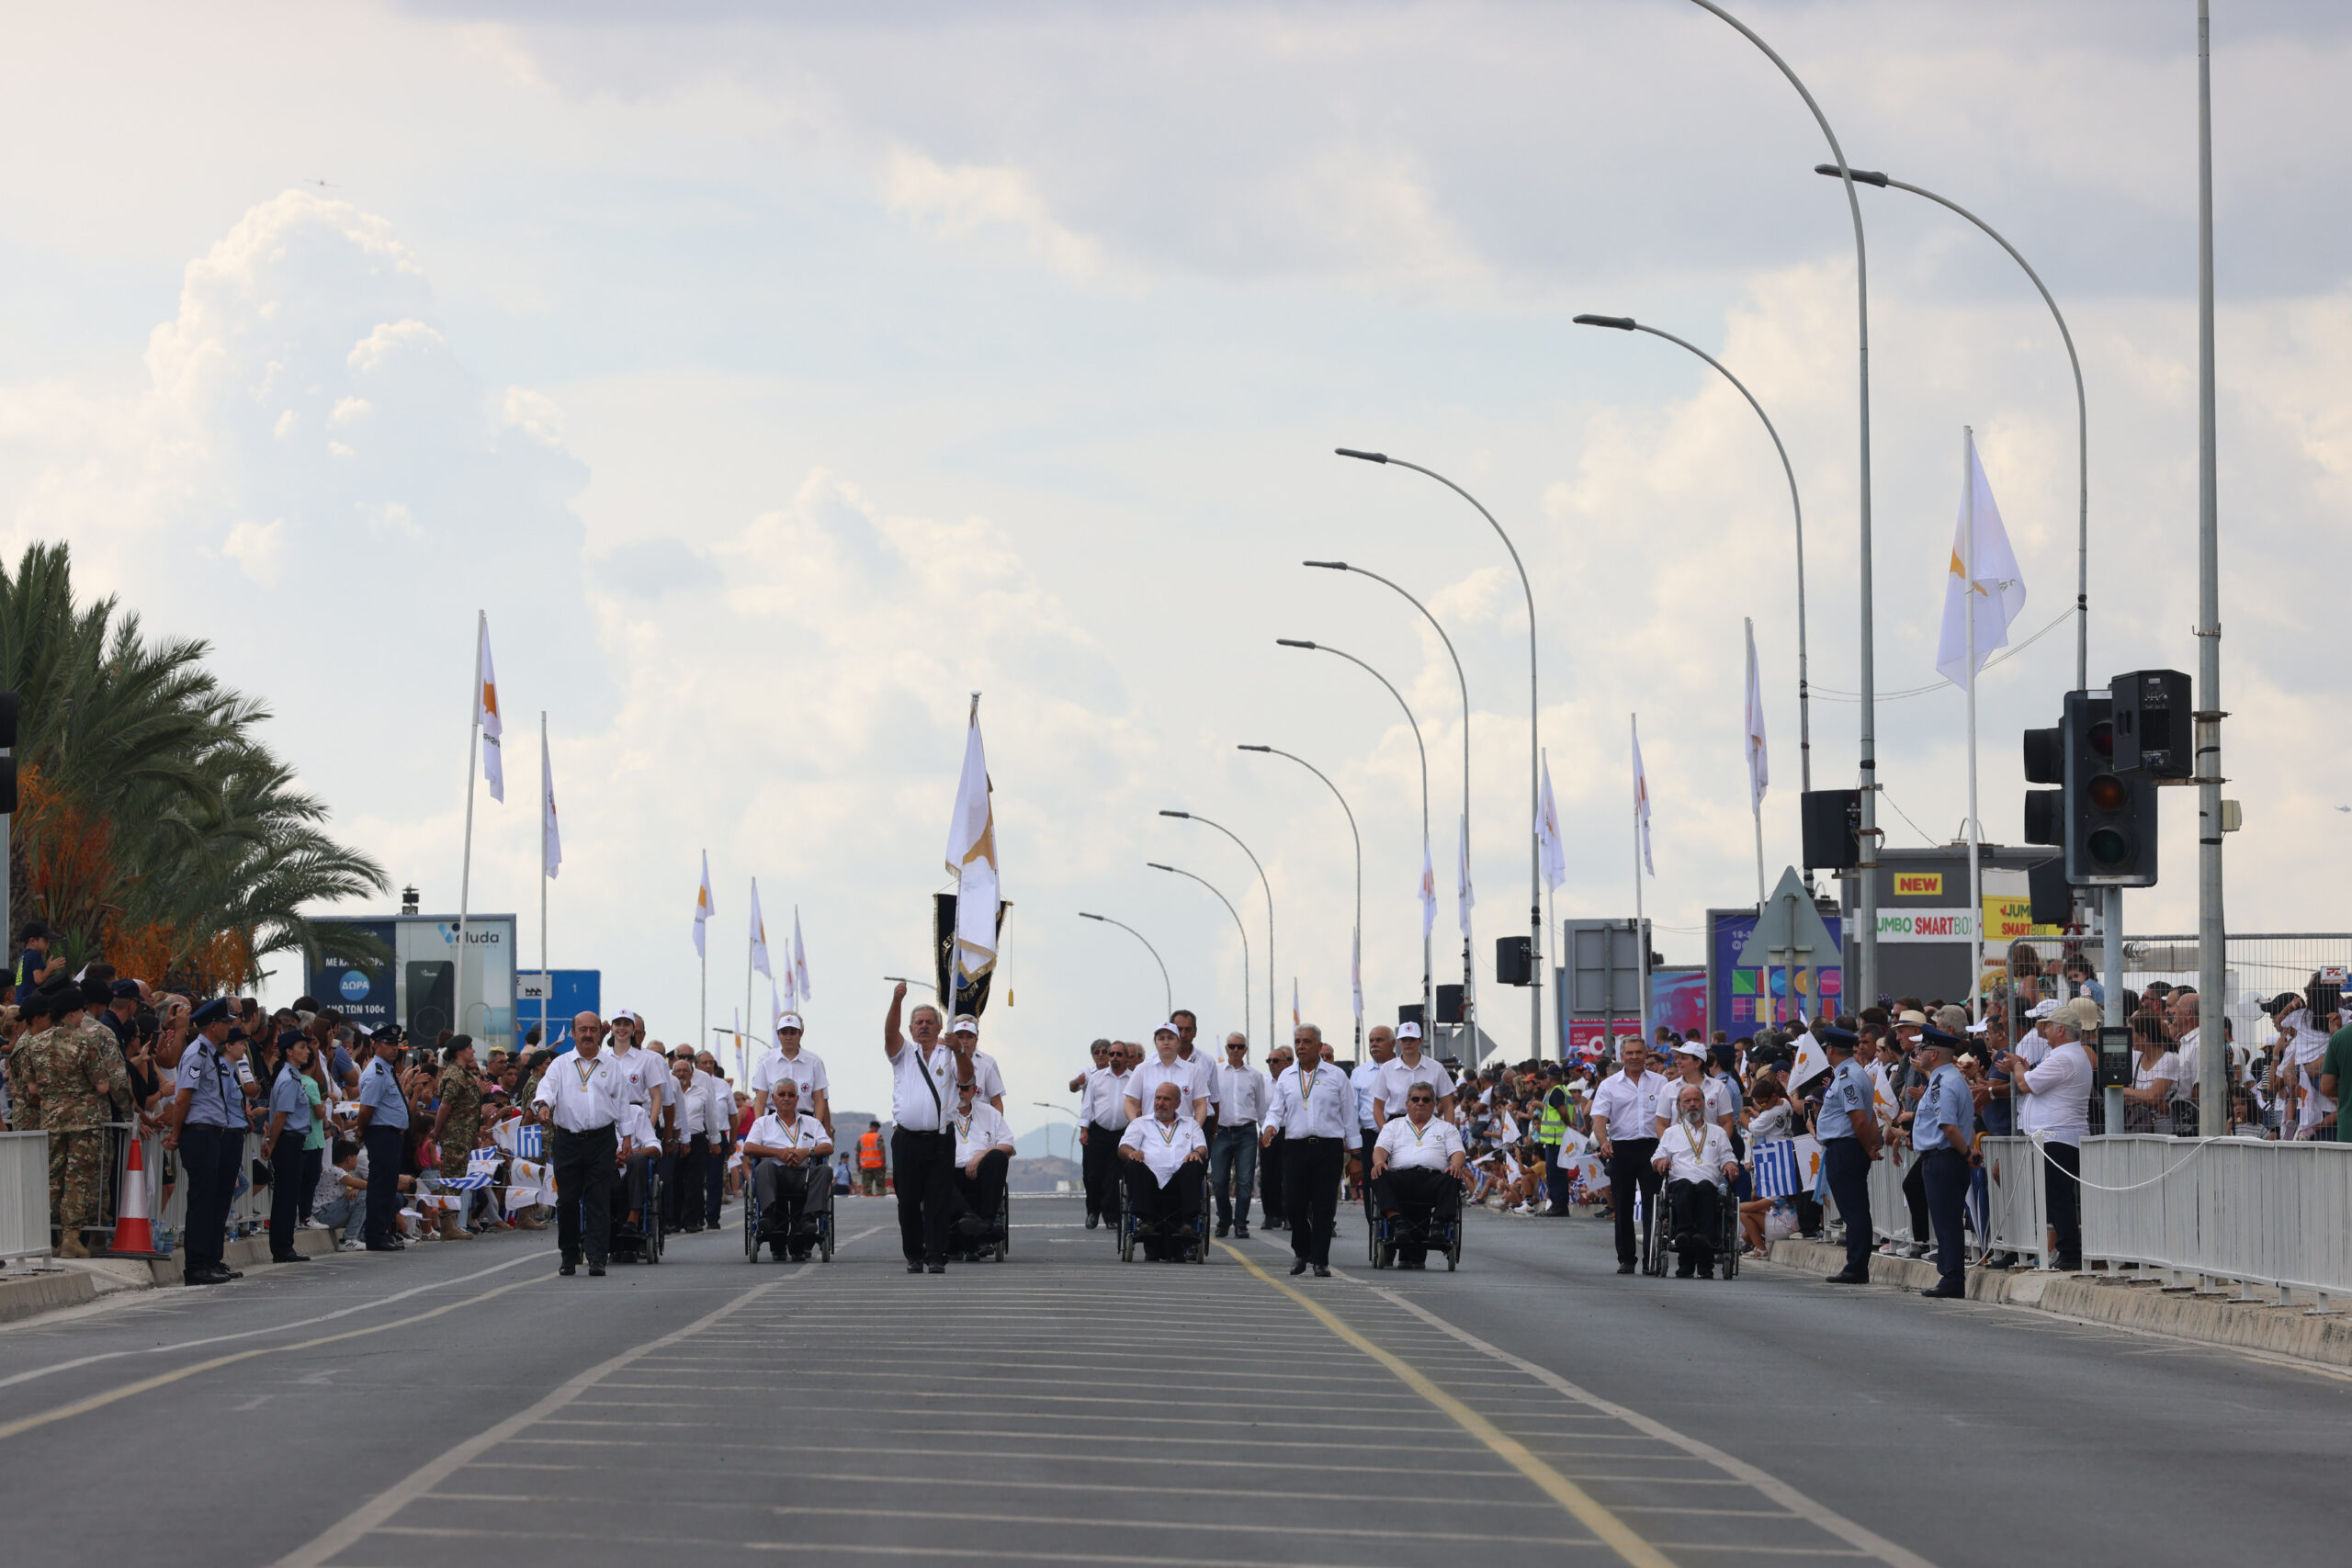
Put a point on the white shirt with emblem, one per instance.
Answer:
(1163, 1146)
(1430, 1146)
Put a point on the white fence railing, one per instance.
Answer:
(2262, 1213)
(1890, 1214)
(24, 1195)
(2016, 1197)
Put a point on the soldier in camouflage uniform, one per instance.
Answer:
(70, 1074)
(36, 1015)
(457, 1126)
(110, 1060)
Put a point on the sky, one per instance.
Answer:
(777, 378)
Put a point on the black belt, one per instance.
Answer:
(920, 1132)
(1316, 1138)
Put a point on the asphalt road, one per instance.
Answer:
(463, 1401)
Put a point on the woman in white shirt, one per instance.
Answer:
(2147, 1104)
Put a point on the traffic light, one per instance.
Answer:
(1513, 964)
(2153, 724)
(2045, 764)
(2110, 816)
(1832, 822)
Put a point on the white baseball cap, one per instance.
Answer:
(1691, 1048)
(1409, 1030)
(1157, 1029)
(965, 1024)
(787, 1020)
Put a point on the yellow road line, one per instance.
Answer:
(130, 1390)
(1612, 1531)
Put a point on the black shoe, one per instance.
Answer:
(1943, 1292)
(1708, 1273)
(1624, 1267)
(385, 1247)
(1225, 1227)
(1847, 1277)
(1322, 1270)
(1683, 1272)
(914, 1268)
(1298, 1268)
(1092, 1220)
(569, 1269)
(207, 1275)
(939, 1268)
(595, 1270)
(1241, 1233)
(289, 1258)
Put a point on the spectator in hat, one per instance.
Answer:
(2053, 1096)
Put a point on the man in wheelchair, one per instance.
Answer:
(633, 1156)
(1165, 1158)
(790, 1156)
(983, 1157)
(1419, 1170)
(1695, 1153)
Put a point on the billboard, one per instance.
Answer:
(419, 990)
(1678, 1000)
(1738, 999)
(567, 992)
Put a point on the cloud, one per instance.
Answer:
(966, 203)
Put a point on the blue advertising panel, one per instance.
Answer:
(568, 992)
(1740, 999)
(362, 994)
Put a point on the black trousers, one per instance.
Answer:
(583, 1192)
(2063, 1201)
(209, 1157)
(1697, 1221)
(1915, 1196)
(979, 1197)
(383, 1145)
(682, 1183)
(1420, 1196)
(632, 1175)
(1171, 1208)
(1098, 1164)
(1630, 1170)
(924, 1162)
(286, 1161)
(789, 1193)
(1311, 1171)
(1847, 1168)
(1271, 1158)
(314, 1161)
(1946, 1185)
(714, 1180)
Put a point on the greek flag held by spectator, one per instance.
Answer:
(1786, 1167)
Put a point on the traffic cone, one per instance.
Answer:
(134, 1235)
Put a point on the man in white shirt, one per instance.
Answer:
(1314, 1109)
(682, 1166)
(638, 1150)
(1271, 1158)
(789, 1058)
(1101, 1117)
(1206, 1082)
(922, 1145)
(790, 1156)
(1694, 1155)
(1407, 1067)
(1419, 1170)
(2053, 1097)
(973, 1062)
(1625, 1126)
(1381, 1041)
(1166, 1159)
(579, 1099)
(983, 1154)
(1242, 1092)
(1166, 1066)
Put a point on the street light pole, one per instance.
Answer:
(1429, 1014)
(2212, 955)
(1534, 757)
(1865, 874)
(1237, 925)
(2082, 416)
(1804, 691)
(1356, 975)
(1262, 882)
(1469, 969)
(1167, 991)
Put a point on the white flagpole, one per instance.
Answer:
(750, 935)
(1968, 603)
(465, 871)
(1755, 807)
(1641, 927)
(547, 978)
(703, 956)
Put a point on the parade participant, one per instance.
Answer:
(1166, 1160)
(1166, 1066)
(206, 1126)
(1242, 1092)
(720, 1116)
(644, 1076)
(382, 1131)
(1943, 1127)
(790, 1152)
(1695, 1157)
(72, 1083)
(1101, 1117)
(1848, 1129)
(790, 1058)
(1625, 1126)
(636, 1149)
(983, 1157)
(1406, 1067)
(1205, 1071)
(1271, 1157)
(580, 1099)
(1419, 1170)
(1315, 1111)
(683, 1168)
(287, 1137)
(1689, 1066)
(923, 1148)
(457, 1125)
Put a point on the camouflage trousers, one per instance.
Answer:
(457, 1148)
(75, 1177)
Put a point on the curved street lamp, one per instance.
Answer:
(1237, 925)
(1262, 882)
(1167, 991)
(1429, 1015)
(1356, 956)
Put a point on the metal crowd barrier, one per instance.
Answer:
(24, 1195)
(2016, 1195)
(2276, 1214)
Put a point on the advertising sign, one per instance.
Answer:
(362, 994)
(1926, 925)
(1739, 998)
(419, 991)
(567, 992)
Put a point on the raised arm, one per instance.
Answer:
(891, 1039)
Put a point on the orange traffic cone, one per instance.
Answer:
(134, 1235)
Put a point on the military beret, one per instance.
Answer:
(212, 1012)
(39, 1005)
(1834, 1038)
(64, 997)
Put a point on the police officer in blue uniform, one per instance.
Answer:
(206, 1126)
(1847, 1126)
(383, 1119)
(1943, 1129)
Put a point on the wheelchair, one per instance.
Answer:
(1658, 1235)
(814, 1227)
(642, 1242)
(1133, 1229)
(1438, 1235)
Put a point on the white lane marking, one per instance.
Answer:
(374, 1304)
(1869, 1541)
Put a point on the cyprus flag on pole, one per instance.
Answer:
(800, 959)
(759, 935)
(494, 765)
(1759, 768)
(703, 905)
(1429, 891)
(1984, 553)
(971, 855)
(1547, 829)
(551, 837)
(1641, 802)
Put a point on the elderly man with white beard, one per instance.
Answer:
(1695, 1153)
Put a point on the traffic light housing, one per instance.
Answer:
(2155, 724)
(1832, 820)
(1514, 966)
(2110, 816)
(2045, 764)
